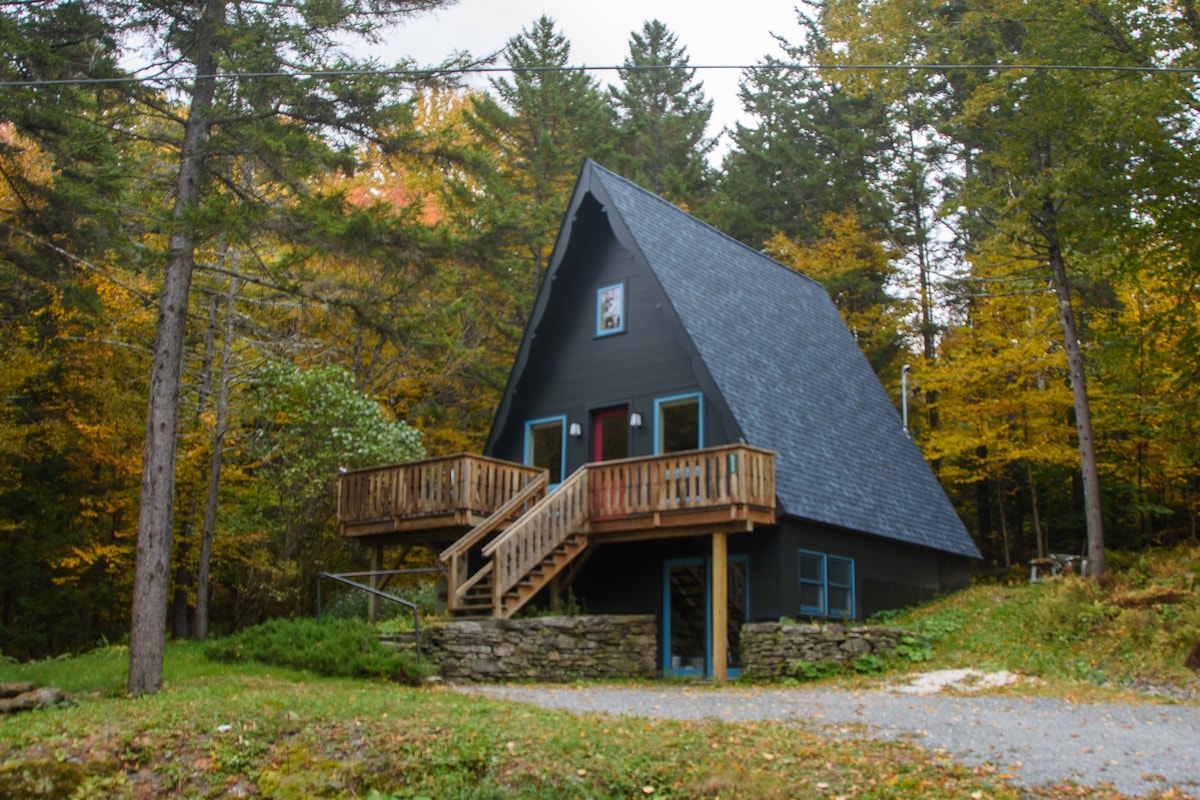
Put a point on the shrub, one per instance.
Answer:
(347, 648)
(810, 670)
(352, 603)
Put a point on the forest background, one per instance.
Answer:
(368, 244)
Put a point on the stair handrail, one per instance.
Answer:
(468, 540)
(455, 556)
(344, 577)
(534, 536)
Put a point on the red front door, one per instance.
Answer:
(610, 440)
(610, 433)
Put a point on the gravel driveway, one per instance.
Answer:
(1037, 740)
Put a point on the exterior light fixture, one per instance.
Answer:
(635, 420)
(576, 430)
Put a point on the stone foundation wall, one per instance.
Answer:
(553, 649)
(772, 649)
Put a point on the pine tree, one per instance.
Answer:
(663, 116)
(532, 137)
(1054, 161)
(811, 146)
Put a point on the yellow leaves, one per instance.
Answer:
(113, 559)
(20, 156)
(1000, 383)
(844, 248)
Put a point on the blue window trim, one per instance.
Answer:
(600, 329)
(706, 562)
(659, 402)
(801, 582)
(533, 423)
(852, 613)
(824, 583)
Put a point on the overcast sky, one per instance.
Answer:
(737, 34)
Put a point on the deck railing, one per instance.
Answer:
(734, 475)
(438, 486)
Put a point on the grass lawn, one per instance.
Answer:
(222, 731)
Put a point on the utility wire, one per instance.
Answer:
(453, 71)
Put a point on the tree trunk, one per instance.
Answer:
(983, 508)
(1083, 411)
(151, 579)
(1038, 536)
(200, 623)
(1002, 498)
(183, 575)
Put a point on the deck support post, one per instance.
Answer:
(720, 609)
(376, 566)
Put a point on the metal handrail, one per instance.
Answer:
(344, 578)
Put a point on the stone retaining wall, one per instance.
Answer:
(564, 649)
(773, 650)
(553, 649)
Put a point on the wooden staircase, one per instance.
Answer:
(529, 541)
(479, 600)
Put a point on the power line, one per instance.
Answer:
(429, 73)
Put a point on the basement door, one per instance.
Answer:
(687, 615)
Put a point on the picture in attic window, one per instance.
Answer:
(610, 309)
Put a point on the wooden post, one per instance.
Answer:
(720, 609)
(372, 599)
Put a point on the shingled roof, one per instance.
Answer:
(791, 374)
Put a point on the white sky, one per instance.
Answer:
(737, 33)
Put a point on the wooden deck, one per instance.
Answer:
(525, 536)
(437, 498)
(729, 488)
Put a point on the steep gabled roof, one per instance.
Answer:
(790, 372)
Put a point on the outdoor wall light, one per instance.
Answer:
(635, 420)
(576, 430)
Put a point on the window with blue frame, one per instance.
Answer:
(826, 585)
(610, 309)
(678, 423)
(546, 445)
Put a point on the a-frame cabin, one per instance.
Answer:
(690, 430)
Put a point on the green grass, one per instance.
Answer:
(249, 729)
(1138, 625)
(284, 734)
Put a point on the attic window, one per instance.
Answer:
(610, 309)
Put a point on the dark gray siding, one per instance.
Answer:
(570, 371)
(627, 578)
(887, 574)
